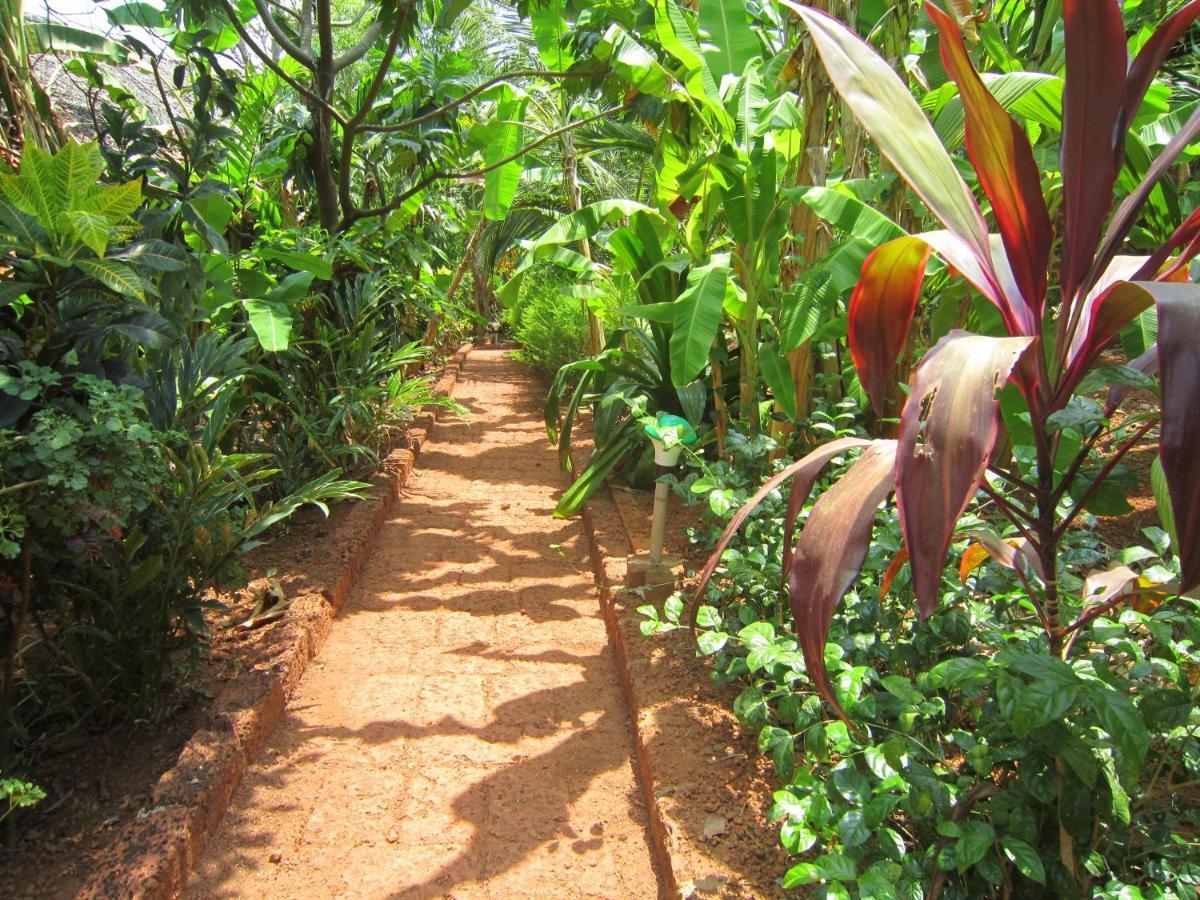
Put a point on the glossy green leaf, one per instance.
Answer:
(271, 323)
(501, 181)
(727, 40)
(697, 315)
(114, 275)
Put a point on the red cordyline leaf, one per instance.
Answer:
(947, 433)
(830, 554)
(1100, 587)
(805, 472)
(1150, 58)
(1185, 237)
(1179, 441)
(1011, 552)
(1003, 158)
(1126, 215)
(881, 310)
(1104, 318)
(885, 108)
(1093, 92)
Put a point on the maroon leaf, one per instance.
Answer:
(1102, 320)
(1003, 159)
(885, 108)
(1126, 215)
(947, 433)
(1185, 236)
(1150, 58)
(1093, 91)
(830, 554)
(881, 310)
(1011, 553)
(805, 471)
(1179, 363)
(1100, 587)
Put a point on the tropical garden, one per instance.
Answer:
(920, 276)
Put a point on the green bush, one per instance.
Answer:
(970, 753)
(550, 325)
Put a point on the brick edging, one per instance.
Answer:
(659, 843)
(152, 855)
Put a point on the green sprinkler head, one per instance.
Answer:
(669, 434)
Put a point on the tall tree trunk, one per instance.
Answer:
(809, 240)
(321, 153)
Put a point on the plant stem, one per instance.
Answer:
(1104, 472)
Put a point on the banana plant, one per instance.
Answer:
(1056, 314)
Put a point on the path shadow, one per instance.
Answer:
(529, 799)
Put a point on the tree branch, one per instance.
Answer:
(469, 95)
(359, 50)
(275, 67)
(306, 24)
(1104, 472)
(290, 47)
(548, 136)
(394, 203)
(351, 128)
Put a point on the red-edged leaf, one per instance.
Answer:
(1126, 215)
(947, 433)
(898, 562)
(885, 108)
(1179, 364)
(982, 274)
(1100, 587)
(830, 554)
(1146, 64)
(1009, 552)
(1102, 321)
(881, 309)
(1093, 92)
(1185, 236)
(1003, 159)
(805, 471)
(802, 486)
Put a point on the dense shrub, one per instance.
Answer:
(968, 753)
(550, 325)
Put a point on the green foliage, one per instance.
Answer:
(967, 752)
(550, 324)
(16, 794)
(124, 534)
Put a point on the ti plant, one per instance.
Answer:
(977, 398)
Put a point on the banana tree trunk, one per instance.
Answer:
(809, 240)
(29, 113)
(574, 202)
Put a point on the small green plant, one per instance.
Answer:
(16, 794)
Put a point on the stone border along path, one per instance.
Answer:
(464, 732)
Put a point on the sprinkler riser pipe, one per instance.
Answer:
(658, 527)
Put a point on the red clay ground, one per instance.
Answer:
(463, 732)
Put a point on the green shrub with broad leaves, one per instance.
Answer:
(550, 325)
(946, 777)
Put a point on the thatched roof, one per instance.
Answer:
(73, 97)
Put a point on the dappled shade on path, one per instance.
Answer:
(463, 732)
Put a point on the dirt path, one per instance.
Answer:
(463, 732)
